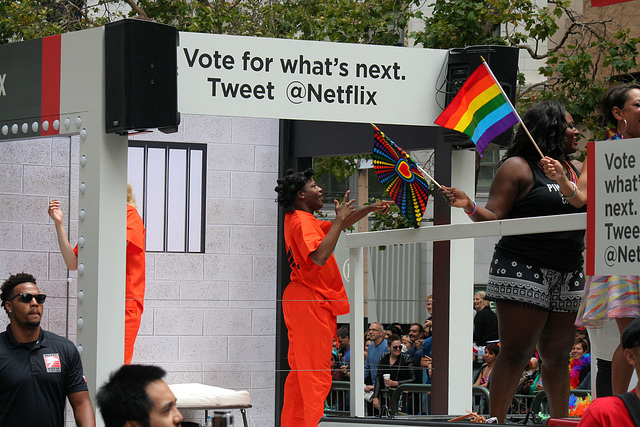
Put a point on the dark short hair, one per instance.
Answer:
(289, 186)
(392, 338)
(420, 327)
(493, 348)
(124, 397)
(395, 330)
(13, 281)
(343, 331)
(616, 96)
(631, 335)
(583, 343)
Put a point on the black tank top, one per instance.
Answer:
(561, 251)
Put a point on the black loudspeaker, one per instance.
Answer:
(141, 73)
(503, 61)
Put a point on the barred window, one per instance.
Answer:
(169, 182)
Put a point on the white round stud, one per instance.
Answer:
(80, 295)
(83, 160)
(81, 269)
(83, 187)
(45, 125)
(25, 128)
(80, 322)
(67, 123)
(5, 130)
(81, 241)
(56, 124)
(34, 126)
(83, 134)
(14, 128)
(82, 215)
(78, 122)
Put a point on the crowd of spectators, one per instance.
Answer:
(407, 358)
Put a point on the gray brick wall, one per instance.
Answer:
(209, 317)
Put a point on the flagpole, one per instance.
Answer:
(422, 171)
(514, 110)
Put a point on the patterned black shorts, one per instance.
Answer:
(542, 288)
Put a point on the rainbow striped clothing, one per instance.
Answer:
(609, 297)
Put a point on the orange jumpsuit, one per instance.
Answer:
(310, 304)
(135, 281)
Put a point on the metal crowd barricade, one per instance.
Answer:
(521, 403)
(337, 402)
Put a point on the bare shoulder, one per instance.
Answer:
(515, 168)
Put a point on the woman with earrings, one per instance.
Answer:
(609, 297)
(536, 280)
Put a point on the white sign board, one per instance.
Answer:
(296, 79)
(613, 212)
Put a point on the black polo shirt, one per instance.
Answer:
(34, 382)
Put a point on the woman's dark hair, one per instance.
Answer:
(392, 338)
(615, 97)
(289, 186)
(583, 343)
(547, 124)
(493, 348)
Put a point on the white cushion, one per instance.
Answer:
(208, 397)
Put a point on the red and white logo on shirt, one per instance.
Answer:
(52, 362)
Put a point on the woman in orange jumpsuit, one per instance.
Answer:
(315, 296)
(135, 282)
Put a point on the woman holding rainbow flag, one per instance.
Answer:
(536, 280)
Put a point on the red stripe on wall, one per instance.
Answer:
(591, 209)
(600, 3)
(50, 103)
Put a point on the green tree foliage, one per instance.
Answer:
(580, 59)
(29, 19)
(341, 167)
(350, 21)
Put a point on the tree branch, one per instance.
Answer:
(137, 9)
(536, 85)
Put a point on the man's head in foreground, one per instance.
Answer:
(136, 396)
(630, 341)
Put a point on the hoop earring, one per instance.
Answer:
(625, 127)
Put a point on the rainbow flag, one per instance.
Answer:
(480, 109)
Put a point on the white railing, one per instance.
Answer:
(357, 241)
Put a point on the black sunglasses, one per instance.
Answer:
(397, 347)
(26, 298)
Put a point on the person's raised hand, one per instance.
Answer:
(55, 212)
(345, 208)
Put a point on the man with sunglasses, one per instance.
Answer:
(38, 369)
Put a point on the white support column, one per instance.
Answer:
(102, 201)
(356, 320)
(461, 291)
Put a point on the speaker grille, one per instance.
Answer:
(141, 76)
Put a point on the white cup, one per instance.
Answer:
(386, 376)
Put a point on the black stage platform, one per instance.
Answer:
(435, 420)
